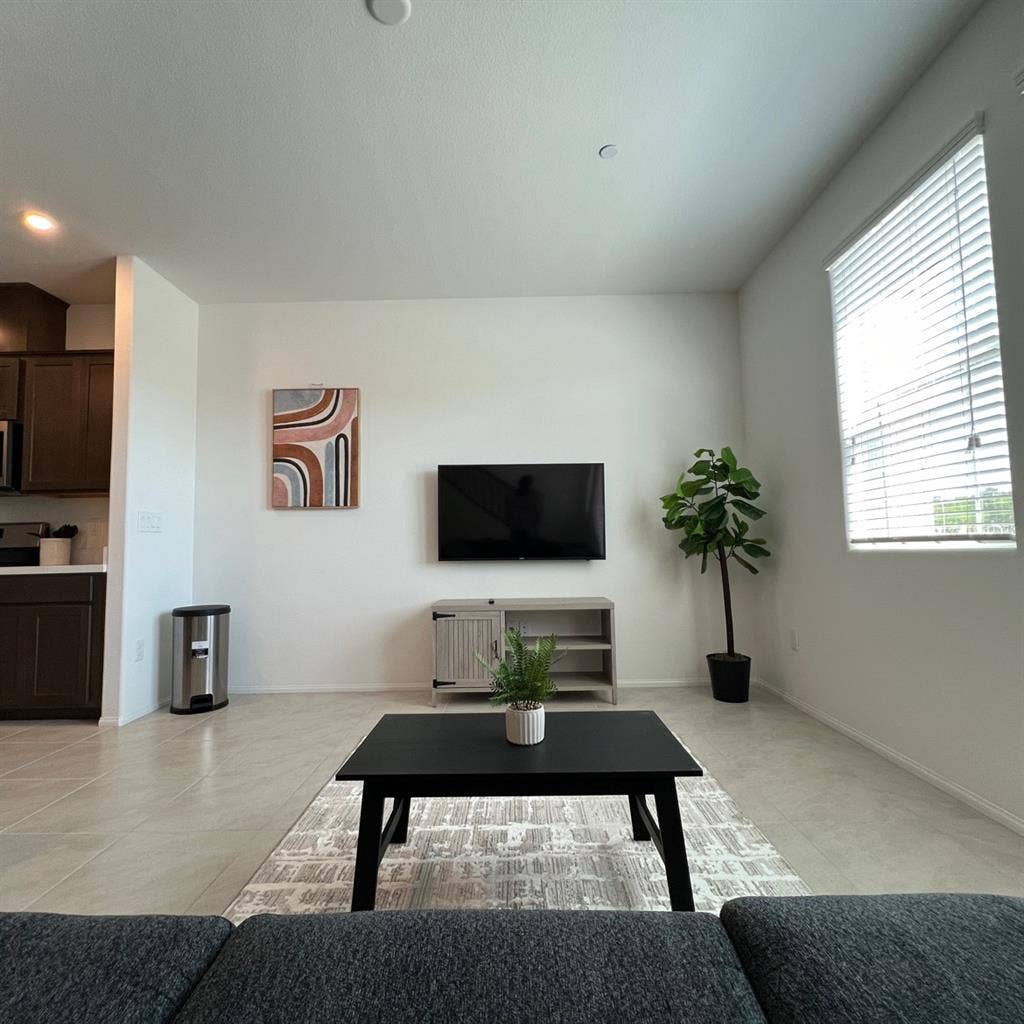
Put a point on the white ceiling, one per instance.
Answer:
(284, 151)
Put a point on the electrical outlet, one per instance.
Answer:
(140, 649)
(794, 640)
(150, 522)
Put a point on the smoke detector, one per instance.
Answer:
(390, 12)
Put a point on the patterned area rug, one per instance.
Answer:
(568, 853)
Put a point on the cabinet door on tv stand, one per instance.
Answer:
(458, 638)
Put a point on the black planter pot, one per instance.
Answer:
(730, 677)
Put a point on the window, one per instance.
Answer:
(922, 421)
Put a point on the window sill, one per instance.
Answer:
(934, 546)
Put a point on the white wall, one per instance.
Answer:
(919, 652)
(152, 470)
(339, 598)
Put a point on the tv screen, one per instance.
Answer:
(545, 511)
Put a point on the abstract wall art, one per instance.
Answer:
(315, 448)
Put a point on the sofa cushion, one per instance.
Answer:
(912, 959)
(57, 968)
(475, 967)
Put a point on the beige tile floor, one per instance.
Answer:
(172, 814)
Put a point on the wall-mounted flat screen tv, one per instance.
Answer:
(538, 511)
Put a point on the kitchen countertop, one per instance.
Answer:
(47, 570)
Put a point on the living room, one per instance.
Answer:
(518, 239)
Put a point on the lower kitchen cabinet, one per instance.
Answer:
(51, 645)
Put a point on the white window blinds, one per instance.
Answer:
(923, 426)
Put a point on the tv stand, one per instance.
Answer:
(584, 628)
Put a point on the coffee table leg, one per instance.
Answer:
(640, 832)
(677, 870)
(371, 820)
(401, 833)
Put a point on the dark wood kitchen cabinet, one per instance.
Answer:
(68, 414)
(31, 320)
(51, 645)
(10, 375)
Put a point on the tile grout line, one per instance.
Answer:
(60, 750)
(84, 782)
(84, 863)
(38, 810)
(227, 867)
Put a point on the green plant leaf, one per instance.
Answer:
(750, 511)
(524, 676)
(689, 488)
(718, 501)
(728, 458)
(739, 491)
(741, 526)
(701, 468)
(746, 565)
(703, 451)
(755, 550)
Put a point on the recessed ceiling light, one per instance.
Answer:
(608, 152)
(39, 222)
(390, 12)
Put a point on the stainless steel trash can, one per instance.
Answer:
(199, 679)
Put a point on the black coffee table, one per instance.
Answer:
(585, 753)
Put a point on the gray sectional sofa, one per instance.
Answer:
(915, 959)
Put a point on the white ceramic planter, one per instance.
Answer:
(55, 551)
(524, 728)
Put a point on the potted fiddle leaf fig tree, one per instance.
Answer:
(522, 680)
(713, 507)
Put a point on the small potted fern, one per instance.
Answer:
(523, 682)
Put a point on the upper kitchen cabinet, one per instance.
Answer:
(10, 378)
(31, 320)
(68, 413)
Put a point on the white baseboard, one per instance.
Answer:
(126, 719)
(667, 683)
(288, 687)
(954, 789)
